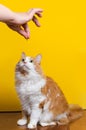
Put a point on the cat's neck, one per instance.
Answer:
(32, 77)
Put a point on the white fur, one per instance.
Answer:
(29, 92)
(48, 124)
(46, 115)
(63, 115)
(46, 106)
(22, 122)
(58, 95)
(31, 96)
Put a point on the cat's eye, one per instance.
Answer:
(31, 61)
(23, 60)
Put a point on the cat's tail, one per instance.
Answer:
(75, 112)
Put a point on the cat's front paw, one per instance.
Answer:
(31, 126)
(22, 122)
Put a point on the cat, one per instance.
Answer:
(41, 98)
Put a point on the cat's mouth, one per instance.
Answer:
(24, 66)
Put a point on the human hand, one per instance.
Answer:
(19, 23)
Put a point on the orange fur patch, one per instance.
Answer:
(38, 68)
(58, 103)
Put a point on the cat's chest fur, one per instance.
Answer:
(29, 91)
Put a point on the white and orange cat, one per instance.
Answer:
(40, 97)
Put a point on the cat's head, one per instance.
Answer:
(29, 65)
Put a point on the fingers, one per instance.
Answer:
(34, 11)
(22, 30)
(26, 29)
(35, 20)
(23, 33)
(39, 14)
(22, 27)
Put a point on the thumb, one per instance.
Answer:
(26, 29)
(23, 33)
(20, 30)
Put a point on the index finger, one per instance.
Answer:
(34, 11)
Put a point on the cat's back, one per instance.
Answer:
(55, 96)
(51, 86)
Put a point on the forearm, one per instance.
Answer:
(6, 14)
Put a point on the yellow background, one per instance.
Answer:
(62, 42)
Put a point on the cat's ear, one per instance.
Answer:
(23, 55)
(38, 58)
